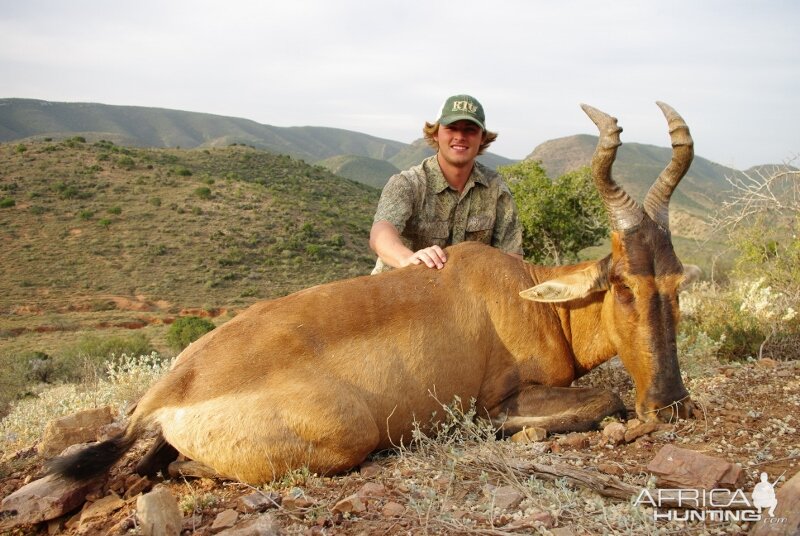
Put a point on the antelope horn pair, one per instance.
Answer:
(626, 213)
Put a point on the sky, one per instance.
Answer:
(731, 68)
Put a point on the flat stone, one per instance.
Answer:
(370, 469)
(393, 509)
(635, 432)
(101, 509)
(79, 427)
(611, 469)
(137, 486)
(529, 521)
(574, 440)
(503, 497)
(225, 520)
(263, 525)
(257, 502)
(190, 469)
(371, 490)
(683, 468)
(158, 513)
(350, 505)
(44, 499)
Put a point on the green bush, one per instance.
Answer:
(7, 202)
(559, 217)
(88, 357)
(186, 330)
(204, 192)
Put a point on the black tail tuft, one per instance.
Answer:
(91, 461)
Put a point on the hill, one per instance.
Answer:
(369, 171)
(637, 166)
(419, 150)
(157, 127)
(208, 227)
(139, 126)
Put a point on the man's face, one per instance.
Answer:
(459, 142)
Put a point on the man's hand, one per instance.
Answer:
(384, 239)
(433, 257)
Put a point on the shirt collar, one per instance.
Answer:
(439, 183)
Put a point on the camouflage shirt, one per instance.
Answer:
(427, 211)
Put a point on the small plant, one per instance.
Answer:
(187, 329)
(116, 211)
(7, 202)
(204, 192)
(183, 172)
(104, 222)
(20, 148)
(126, 162)
(85, 214)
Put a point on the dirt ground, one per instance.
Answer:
(457, 484)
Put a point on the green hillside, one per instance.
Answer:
(194, 228)
(637, 166)
(418, 151)
(369, 171)
(157, 127)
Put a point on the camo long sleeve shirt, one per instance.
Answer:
(427, 211)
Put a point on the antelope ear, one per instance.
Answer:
(691, 273)
(569, 287)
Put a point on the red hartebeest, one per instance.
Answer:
(325, 376)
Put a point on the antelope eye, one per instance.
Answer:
(623, 293)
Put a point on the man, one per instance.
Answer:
(449, 198)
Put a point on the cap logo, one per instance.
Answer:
(464, 106)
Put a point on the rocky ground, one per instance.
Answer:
(465, 482)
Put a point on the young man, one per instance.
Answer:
(449, 198)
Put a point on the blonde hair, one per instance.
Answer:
(431, 129)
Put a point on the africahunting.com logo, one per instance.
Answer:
(713, 505)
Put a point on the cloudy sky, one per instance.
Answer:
(730, 67)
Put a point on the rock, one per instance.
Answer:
(575, 440)
(614, 433)
(158, 513)
(635, 432)
(766, 362)
(263, 525)
(503, 497)
(79, 427)
(137, 486)
(101, 509)
(611, 469)
(393, 509)
(350, 505)
(529, 435)
(225, 520)
(370, 490)
(683, 468)
(44, 499)
(258, 502)
(370, 469)
(529, 521)
(191, 469)
(788, 508)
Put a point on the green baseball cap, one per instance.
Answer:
(460, 107)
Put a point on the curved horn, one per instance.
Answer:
(656, 204)
(623, 210)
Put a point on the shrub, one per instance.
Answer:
(85, 214)
(20, 148)
(7, 202)
(559, 217)
(186, 330)
(126, 162)
(90, 355)
(115, 211)
(204, 192)
(104, 222)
